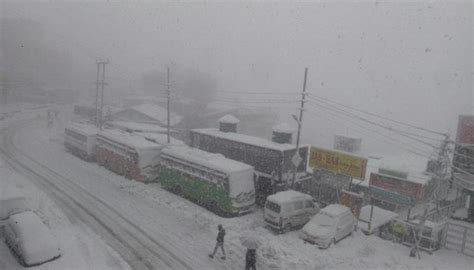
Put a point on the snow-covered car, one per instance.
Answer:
(30, 240)
(10, 205)
(288, 209)
(330, 225)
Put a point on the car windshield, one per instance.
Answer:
(324, 220)
(273, 207)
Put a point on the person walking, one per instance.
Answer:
(220, 242)
(251, 259)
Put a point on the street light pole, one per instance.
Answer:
(300, 122)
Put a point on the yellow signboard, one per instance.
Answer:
(338, 162)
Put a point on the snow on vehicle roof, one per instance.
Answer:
(158, 113)
(131, 140)
(159, 138)
(335, 209)
(283, 128)
(140, 127)
(210, 160)
(247, 139)
(34, 238)
(83, 128)
(288, 196)
(229, 119)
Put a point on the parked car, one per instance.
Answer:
(330, 225)
(288, 209)
(30, 240)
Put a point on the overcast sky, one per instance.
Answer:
(408, 60)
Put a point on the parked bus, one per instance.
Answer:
(127, 154)
(80, 140)
(224, 186)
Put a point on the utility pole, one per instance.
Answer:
(297, 158)
(96, 119)
(443, 159)
(100, 83)
(169, 97)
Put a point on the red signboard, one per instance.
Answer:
(465, 133)
(398, 185)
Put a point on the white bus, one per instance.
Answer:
(223, 185)
(80, 140)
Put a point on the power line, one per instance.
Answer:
(420, 153)
(379, 116)
(257, 93)
(401, 133)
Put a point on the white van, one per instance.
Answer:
(330, 225)
(287, 209)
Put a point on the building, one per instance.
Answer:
(272, 160)
(148, 114)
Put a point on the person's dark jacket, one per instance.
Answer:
(251, 256)
(220, 236)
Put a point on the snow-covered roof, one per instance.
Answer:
(140, 127)
(379, 217)
(246, 139)
(229, 119)
(206, 159)
(283, 128)
(158, 113)
(288, 196)
(159, 138)
(131, 140)
(415, 166)
(84, 129)
(335, 209)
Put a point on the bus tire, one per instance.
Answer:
(178, 190)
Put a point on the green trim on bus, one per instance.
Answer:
(196, 189)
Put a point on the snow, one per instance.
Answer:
(413, 165)
(215, 161)
(283, 128)
(11, 204)
(34, 240)
(134, 141)
(186, 228)
(84, 129)
(335, 210)
(247, 139)
(229, 119)
(159, 138)
(137, 127)
(158, 113)
(379, 217)
(288, 196)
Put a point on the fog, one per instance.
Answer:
(410, 60)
